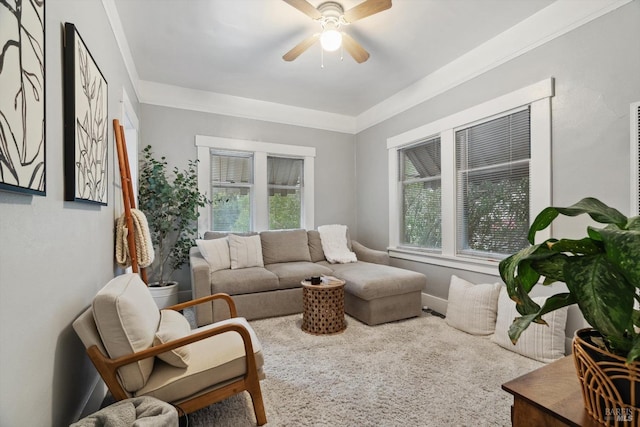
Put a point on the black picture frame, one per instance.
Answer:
(22, 98)
(85, 123)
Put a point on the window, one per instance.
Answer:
(463, 189)
(421, 194)
(492, 176)
(231, 188)
(285, 192)
(254, 185)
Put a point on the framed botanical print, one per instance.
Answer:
(22, 97)
(85, 123)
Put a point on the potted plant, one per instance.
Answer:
(602, 274)
(170, 201)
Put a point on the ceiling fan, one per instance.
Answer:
(332, 16)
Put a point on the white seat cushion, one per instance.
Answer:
(214, 360)
(127, 319)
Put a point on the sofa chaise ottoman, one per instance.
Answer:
(375, 292)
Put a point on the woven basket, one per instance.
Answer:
(610, 388)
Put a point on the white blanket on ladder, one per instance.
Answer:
(334, 244)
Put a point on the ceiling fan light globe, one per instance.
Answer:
(331, 40)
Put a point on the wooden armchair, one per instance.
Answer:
(126, 339)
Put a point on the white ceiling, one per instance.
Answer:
(235, 47)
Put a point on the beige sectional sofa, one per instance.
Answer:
(375, 292)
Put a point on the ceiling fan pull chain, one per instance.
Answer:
(321, 58)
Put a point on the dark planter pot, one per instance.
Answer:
(610, 388)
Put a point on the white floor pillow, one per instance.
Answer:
(472, 308)
(539, 342)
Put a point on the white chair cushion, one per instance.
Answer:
(245, 251)
(215, 252)
(539, 342)
(214, 360)
(173, 325)
(127, 318)
(472, 308)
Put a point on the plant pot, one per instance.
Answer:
(610, 388)
(164, 294)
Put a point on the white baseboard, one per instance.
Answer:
(437, 304)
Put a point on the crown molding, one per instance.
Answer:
(228, 105)
(549, 23)
(123, 44)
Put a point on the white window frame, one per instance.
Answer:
(538, 97)
(261, 150)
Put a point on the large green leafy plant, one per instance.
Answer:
(601, 271)
(170, 201)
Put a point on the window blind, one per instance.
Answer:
(231, 184)
(492, 172)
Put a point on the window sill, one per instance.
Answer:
(476, 265)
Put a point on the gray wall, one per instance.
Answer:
(55, 255)
(597, 76)
(171, 132)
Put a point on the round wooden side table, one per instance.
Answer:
(323, 308)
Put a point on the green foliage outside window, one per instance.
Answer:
(284, 211)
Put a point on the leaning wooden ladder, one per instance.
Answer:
(127, 195)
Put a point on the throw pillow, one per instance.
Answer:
(245, 251)
(216, 253)
(173, 325)
(539, 342)
(472, 308)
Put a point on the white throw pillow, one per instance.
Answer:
(539, 342)
(215, 252)
(245, 251)
(472, 308)
(173, 325)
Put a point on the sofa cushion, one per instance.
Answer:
(215, 252)
(243, 281)
(245, 251)
(539, 342)
(370, 281)
(127, 319)
(290, 274)
(315, 246)
(213, 360)
(284, 246)
(472, 308)
(173, 326)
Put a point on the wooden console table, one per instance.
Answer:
(549, 396)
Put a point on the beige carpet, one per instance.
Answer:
(418, 372)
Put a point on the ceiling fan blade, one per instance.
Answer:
(305, 7)
(354, 48)
(366, 8)
(300, 47)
